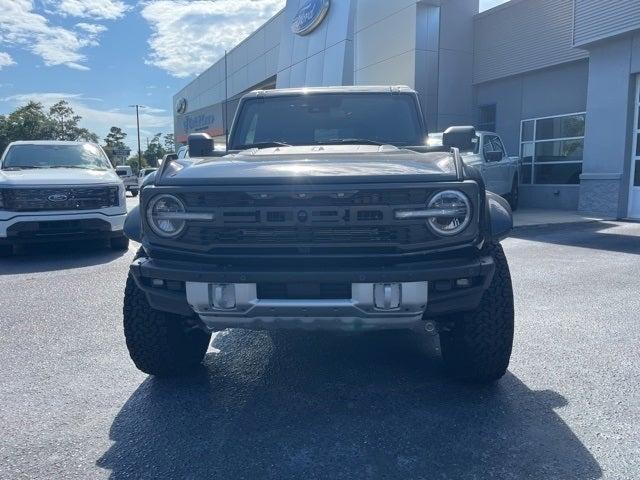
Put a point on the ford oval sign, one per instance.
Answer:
(58, 197)
(310, 16)
(181, 106)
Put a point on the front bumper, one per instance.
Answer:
(428, 290)
(39, 228)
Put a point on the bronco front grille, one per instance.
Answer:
(312, 235)
(59, 198)
(305, 221)
(406, 196)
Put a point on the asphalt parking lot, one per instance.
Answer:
(294, 405)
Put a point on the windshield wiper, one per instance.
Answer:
(350, 141)
(264, 145)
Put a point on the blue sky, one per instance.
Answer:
(103, 55)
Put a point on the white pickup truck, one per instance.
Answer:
(61, 191)
(499, 171)
(125, 172)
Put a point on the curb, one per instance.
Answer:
(562, 224)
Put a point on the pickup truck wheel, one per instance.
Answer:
(478, 346)
(514, 196)
(160, 343)
(119, 243)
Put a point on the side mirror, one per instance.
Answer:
(200, 145)
(493, 156)
(462, 138)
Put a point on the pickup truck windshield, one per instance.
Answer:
(325, 119)
(85, 156)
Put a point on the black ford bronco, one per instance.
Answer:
(327, 211)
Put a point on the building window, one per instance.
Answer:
(487, 118)
(551, 149)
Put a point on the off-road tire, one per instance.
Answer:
(119, 243)
(514, 196)
(477, 348)
(160, 343)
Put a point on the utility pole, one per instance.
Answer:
(138, 124)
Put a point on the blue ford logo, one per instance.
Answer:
(303, 216)
(181, 106)
(58, 197)
(310, 16)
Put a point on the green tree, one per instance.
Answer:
(64, 121)
(135, 163)
(154, 152)
(4, 139)
(32, 122)
(114, 140)
(29, 122)
(169, 143)
(66, 126)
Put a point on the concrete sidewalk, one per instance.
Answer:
(530, 217)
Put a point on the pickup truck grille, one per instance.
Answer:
(59, 198)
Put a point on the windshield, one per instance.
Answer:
(86, 156)
(352, 118)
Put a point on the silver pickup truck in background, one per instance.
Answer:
(499, 171)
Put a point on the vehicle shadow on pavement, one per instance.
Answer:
(298, 405)
(58, 256)
(606, 236)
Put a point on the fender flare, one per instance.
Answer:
(500, 217)
(133, 225)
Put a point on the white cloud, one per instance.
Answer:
(97, 9)
(152, 120)
(92, 28)
(188, 36)
(20, 25)
(6, 60)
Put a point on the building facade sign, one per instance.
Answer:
(310, 16)
(181, 106)
(206, 120)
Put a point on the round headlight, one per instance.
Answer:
(164, 215)
(454, 213)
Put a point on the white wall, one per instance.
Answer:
(427, 45)
(322, 58)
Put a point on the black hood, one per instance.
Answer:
(315, 164)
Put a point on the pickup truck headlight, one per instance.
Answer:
(453, 210)
(166, 216)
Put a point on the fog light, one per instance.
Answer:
(463, 283)
(223, 296)
(387, 296)
(157, 282)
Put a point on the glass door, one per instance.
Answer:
(634, 191)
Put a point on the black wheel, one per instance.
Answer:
(6, 250)
(160, 343)
(119, 243)
(514, 196)
(478, 346)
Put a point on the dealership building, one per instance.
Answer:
(559, 80)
